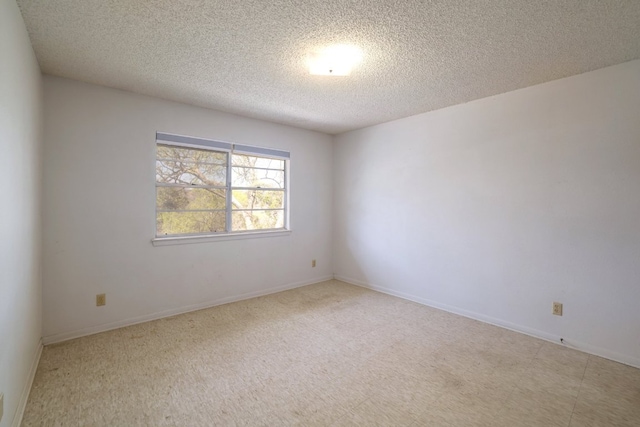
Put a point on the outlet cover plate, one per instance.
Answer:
(557, 308)
(101, 299)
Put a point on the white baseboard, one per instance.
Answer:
(65, 336)
(24, 397)
(587, 348)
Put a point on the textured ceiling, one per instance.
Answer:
(248, 57)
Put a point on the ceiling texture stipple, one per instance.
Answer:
(248, 57)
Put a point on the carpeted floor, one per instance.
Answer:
(326, 354)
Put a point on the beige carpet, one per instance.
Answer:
(326, 354)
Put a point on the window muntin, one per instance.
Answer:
(205, 191)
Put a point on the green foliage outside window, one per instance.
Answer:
(191, 192)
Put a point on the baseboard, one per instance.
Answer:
(65, 336)
(24, 397)
(587, 348)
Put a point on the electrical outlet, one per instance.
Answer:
(557, 308)
(1, 405)
(101, 299)
(313, 263)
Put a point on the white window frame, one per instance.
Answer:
(182, 141)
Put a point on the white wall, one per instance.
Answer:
(498, 207)
(20, 238)
(99, 212)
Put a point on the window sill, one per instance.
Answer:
(184, 240)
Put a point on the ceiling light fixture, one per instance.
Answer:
(335, 60)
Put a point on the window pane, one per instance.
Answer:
(171, 223)
(245, 177)
(181, 172)
(183, 207)
(257, 220)
(191, 154)
(178, 198)
(257, 162)
(257, 199)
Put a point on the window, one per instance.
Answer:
(208, 187)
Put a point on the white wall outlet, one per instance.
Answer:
(557, 308)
